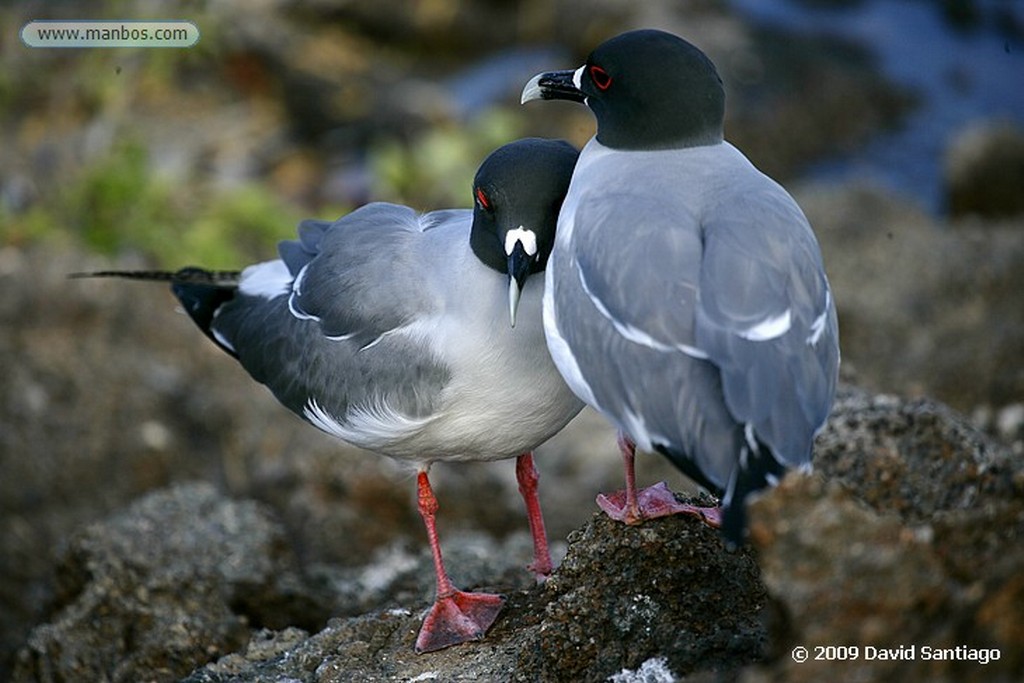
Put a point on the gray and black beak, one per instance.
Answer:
(521, 251)
(553, 85)
(519, 265)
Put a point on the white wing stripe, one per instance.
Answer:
(636, 335)
(770, 328)
(818, 326)
(299, 313)
(222, 340)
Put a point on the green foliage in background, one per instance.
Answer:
(436, 169)
(118, 204)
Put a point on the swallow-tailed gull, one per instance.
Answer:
(418, 336)
(685, 297)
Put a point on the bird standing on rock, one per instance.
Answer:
(685, 297)
(391, 330)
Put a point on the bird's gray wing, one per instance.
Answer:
(704, 302)
(360, 277)
(639, 274)
(766, 318)
(626, 307)
(326, 337)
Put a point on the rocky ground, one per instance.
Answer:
(162, 518)
(907, 535)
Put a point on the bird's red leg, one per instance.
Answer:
(632, 506)
(456, 616)
(526, 474)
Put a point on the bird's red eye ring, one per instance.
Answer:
(600, 77)
(482, 198)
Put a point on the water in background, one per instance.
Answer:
(962, 73)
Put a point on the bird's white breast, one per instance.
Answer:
(505, 396)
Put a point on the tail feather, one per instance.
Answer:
(201, 292)
(190, 275)
(757, 468)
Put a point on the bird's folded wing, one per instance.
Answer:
(362, 276)
(638, 274)
(744, 290)
(312, 330)
(765, 317)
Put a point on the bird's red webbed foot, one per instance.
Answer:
(458, 618)
(633, 506)
(652, 502)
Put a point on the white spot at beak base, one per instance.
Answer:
(528, 238)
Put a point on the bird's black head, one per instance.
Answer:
(517, 194)
(648, 89)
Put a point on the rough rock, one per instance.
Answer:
(909, 536)
(185, 576)
(664, 589)
(623, 595)
(177, 578)
(927, 307)
(984, 170)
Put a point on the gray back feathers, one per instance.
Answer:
(353, 282)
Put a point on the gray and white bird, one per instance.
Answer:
(685, 297)
(390, 330)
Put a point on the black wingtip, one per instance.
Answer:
(757, 470)
(153, 275)
(190, 274)
(201, 301)
(734, 525)
(200, 291)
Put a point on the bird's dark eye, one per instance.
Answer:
(600, 77)
(485, 203)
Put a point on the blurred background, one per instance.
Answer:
(897, 124)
